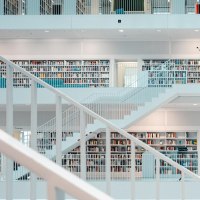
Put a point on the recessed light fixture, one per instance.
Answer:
(121, 30)
(196, 30)
(158, 30)
(46, 31)
(195, 104)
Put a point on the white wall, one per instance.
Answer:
(77, 49)
(119, 189)
(169, 120)
(98, 22)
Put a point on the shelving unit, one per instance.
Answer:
(80, 7)
(178, 71)
(62, 73)
(169, 143)
(11, 7)
(46, 7)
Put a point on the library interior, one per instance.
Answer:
(99, 99)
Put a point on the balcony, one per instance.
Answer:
(98, 7)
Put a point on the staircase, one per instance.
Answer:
(133, 108)
(122, 109)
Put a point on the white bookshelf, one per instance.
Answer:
(168, 143)
(177, 71)
(62, 73)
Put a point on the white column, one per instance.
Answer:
(54, 193)
(20, 7)
(157, 178)
(58, 130)
(33, 7)
(33, 134)
(177, 6)
(132, 170)
(147, 6)
(108, 163)
(69, 7)
(198, 150)
(9, 128)
(182, 185)
(1, 7)
(95, 7)
(83, 145)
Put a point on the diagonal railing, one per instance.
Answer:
(110, 105)
(84, 112)
(59, 181)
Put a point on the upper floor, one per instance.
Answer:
(97, 7)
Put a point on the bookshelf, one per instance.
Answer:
(46, 7)
(169, 143)
(11, 7)
(80, 7)
(61, 73)
(178, 71)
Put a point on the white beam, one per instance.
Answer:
(132, 170)
(33, 134)
(55, 193)
(182, 185)
(157, 178)
(9, 128)
(49, 170)
(83, 144)
(108, 163)
(58, 130)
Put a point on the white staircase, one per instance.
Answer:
(45, 169)
(128, 120)
(22, 173)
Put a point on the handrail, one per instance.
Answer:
(55, 175)
(103, 120)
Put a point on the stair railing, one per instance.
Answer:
(84, 111)
(59, 181)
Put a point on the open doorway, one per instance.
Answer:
(127, 74)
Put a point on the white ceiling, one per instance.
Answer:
(112, 34)
(184, 103)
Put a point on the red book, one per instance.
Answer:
(197, 8)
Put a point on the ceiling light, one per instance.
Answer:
(121, 30)
(195, 104)
(46, 31)
(196, 30)
(158, 30)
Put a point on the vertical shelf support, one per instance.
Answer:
(33, 134)
(9, 128)
(83, 145)
(132, 170)
(198, 150)
(108, 163)
(58, 130)
(157, 178)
